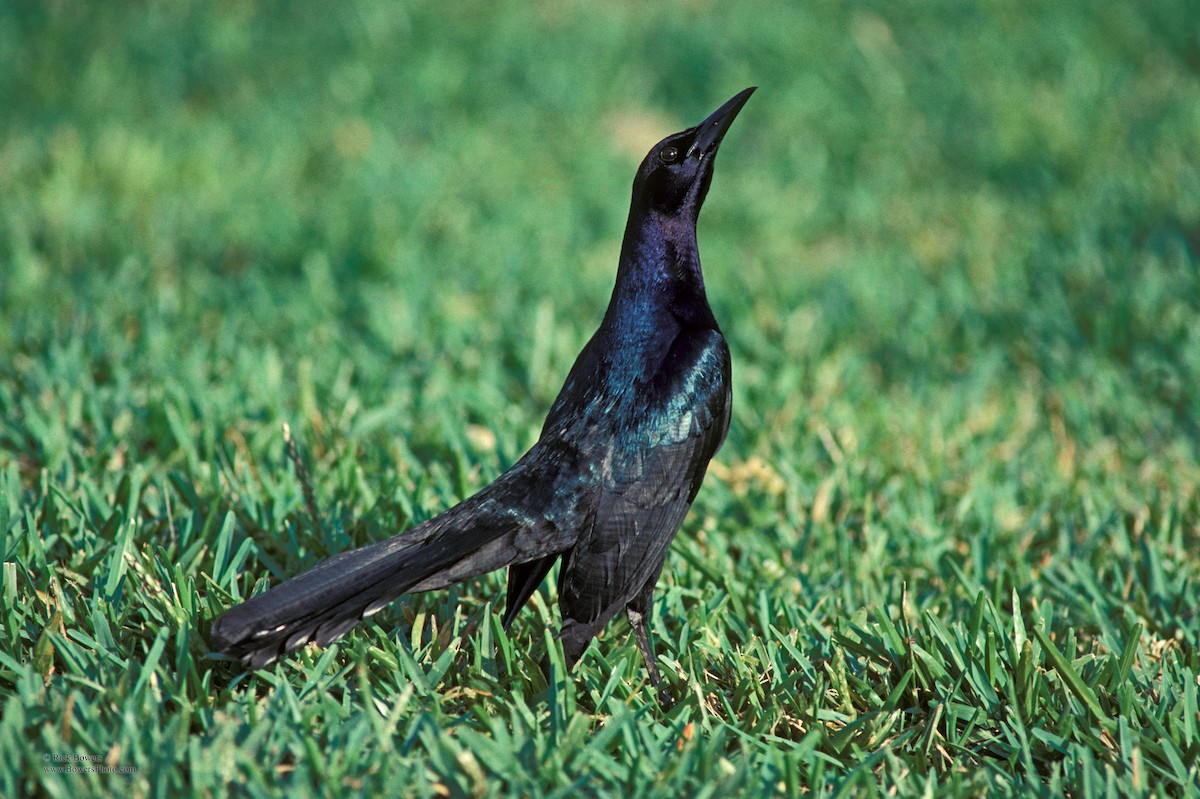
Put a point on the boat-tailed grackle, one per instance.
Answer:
(619, 461)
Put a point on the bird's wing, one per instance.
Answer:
(650, 476)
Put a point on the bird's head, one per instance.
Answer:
(674, 177)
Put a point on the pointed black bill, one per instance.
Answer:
(710, 132)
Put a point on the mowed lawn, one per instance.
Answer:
(951, 545)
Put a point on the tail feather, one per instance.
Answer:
(321, 605)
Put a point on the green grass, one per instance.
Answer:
(950, 546)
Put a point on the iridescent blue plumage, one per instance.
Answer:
(621, 456)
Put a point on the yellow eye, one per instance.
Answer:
(668, 155)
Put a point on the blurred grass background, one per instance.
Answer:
(951, 542)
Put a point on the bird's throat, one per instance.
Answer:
(659, 270)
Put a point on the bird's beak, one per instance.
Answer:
(710, 132)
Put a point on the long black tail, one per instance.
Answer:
(483, 533)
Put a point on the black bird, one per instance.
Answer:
(606, 486)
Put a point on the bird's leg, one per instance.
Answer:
(641, 631)
(638, 611)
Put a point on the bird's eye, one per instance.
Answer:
(669, 155)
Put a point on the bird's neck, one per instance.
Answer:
(659, 274)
